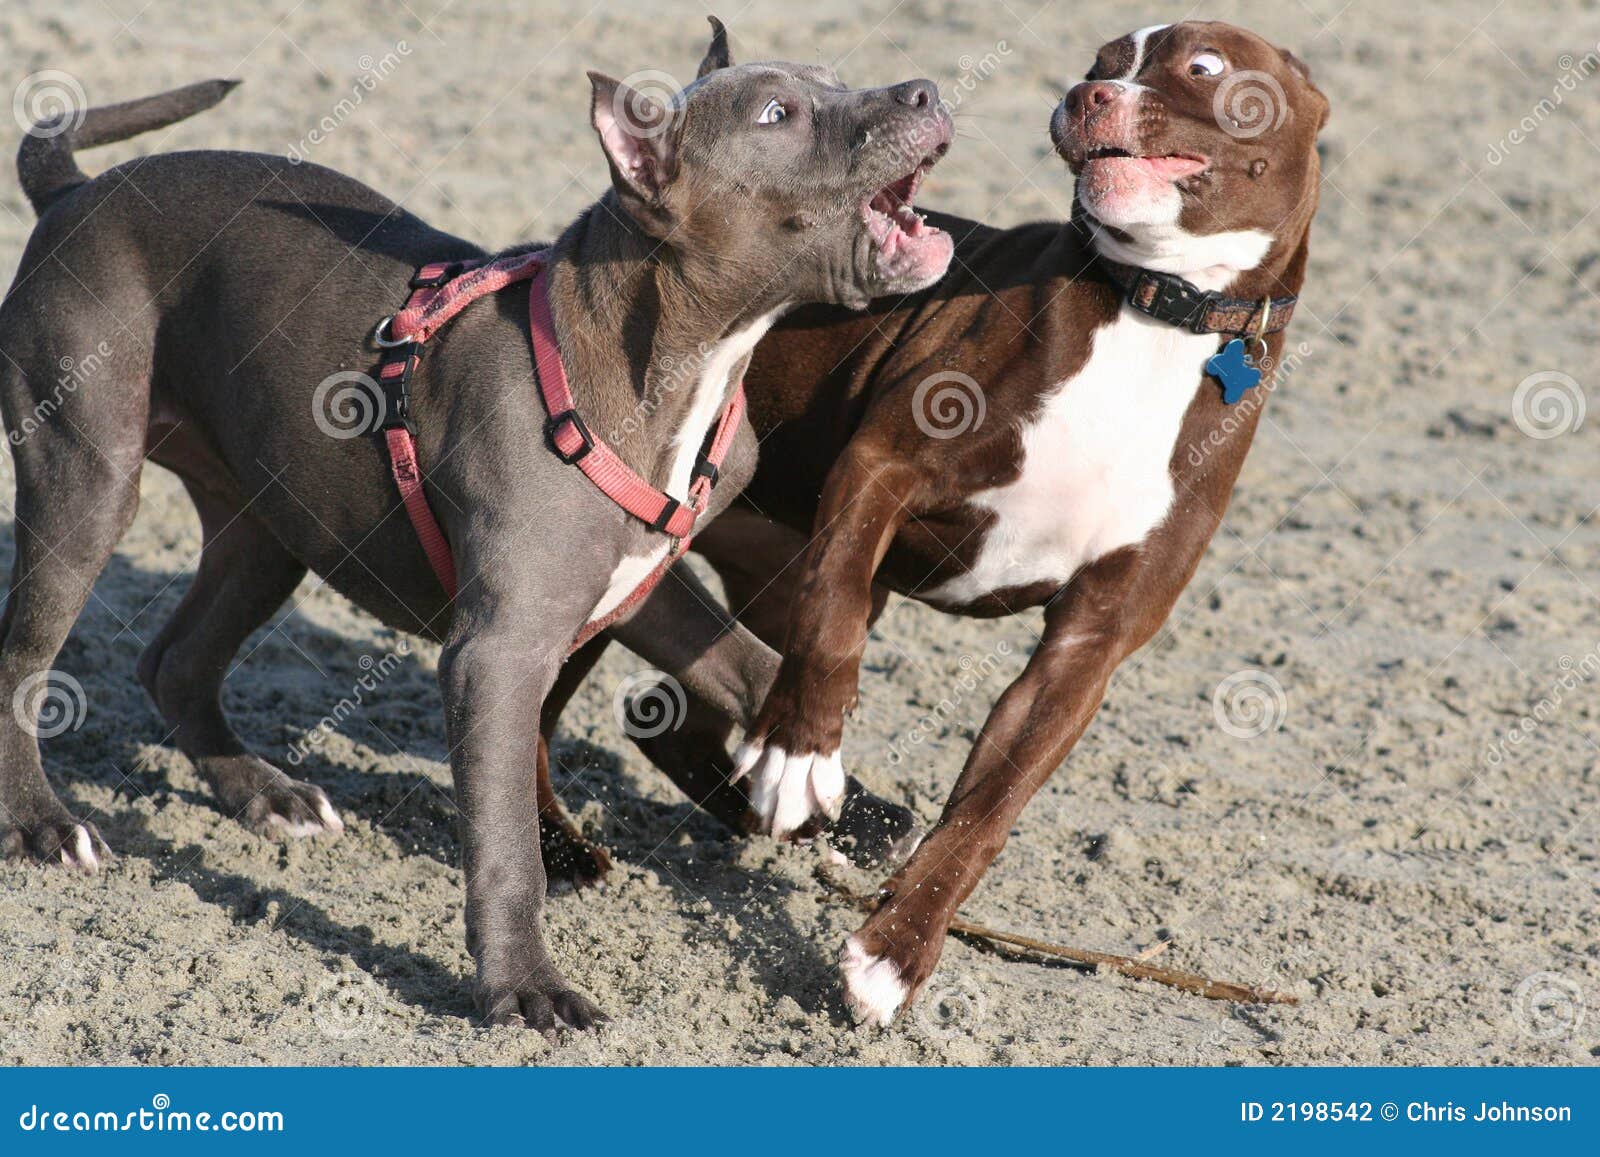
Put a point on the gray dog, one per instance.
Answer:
(219, 288)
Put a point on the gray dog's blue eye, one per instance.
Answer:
(772, 114)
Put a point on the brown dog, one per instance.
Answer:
(1100, 469)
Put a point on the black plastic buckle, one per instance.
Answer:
(397, 389)
(1176, 302)
(666, 514)
(704, 466)
(555, 422)
(420, 282)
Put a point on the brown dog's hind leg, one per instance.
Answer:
(244, 576)
(569, 858)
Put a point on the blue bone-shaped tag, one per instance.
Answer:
(1232, 367)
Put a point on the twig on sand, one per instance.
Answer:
(1011, 944)
(1153, 951)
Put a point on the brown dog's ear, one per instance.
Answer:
(717, 55)
(639, 136)
(1304, 70)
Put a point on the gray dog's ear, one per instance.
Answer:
(717, 55)
(639, 135)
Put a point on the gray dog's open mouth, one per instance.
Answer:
(905, 245)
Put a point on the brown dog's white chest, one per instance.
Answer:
(1096, 470)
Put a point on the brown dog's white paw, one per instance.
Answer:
(790, 792)
(873, 988)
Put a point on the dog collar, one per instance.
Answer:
(1169, 298)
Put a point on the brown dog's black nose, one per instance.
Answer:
(1083, 99)
(917, 93)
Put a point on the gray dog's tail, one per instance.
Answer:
(45, 161)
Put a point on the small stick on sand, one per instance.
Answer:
(1154, 950)
(1012, 944)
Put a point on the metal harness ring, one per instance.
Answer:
(1260, 352)
(388, 343)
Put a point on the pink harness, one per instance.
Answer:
(439, 291)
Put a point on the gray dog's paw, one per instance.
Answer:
(268, 802)
(537, 1007)
(291, 811)
(56, 840)
(872, 832)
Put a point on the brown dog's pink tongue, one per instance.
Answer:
(1173, 168)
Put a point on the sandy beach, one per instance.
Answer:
(1410, 568)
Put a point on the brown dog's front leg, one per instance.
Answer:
(1032, 727)
(792, 752)
(722, 673)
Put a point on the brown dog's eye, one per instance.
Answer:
(772, 114)
(1207, 64)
